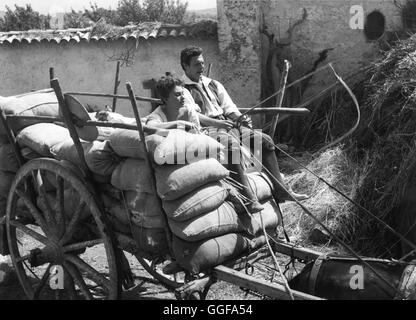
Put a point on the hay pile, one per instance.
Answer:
(387, 137)
(327, 205)
(375, 167)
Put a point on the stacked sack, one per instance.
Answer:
(39, 103)
(37, 139)
(140, 210)
(8, 169)
(132, 175)
(196, 199)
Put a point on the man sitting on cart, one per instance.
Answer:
(215, 108)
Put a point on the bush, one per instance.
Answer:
(127, 12)
(23, 18)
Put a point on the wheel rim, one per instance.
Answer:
(58, 232)
(155, 269)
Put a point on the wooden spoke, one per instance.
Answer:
(72, 224)
(82, 245)
(42, 283)
(54, 223)
(60, 206)
(33, 210)
(42, 239)
(70, 286)
(50, 219)
(91, 273)
(76, 275)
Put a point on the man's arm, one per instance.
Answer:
(210, 122)
(230, 109)
(204, 120)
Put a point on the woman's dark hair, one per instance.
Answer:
(166, 84)
(188, 53)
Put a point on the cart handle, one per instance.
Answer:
(291, 111)
(90, 123)
(104, 95)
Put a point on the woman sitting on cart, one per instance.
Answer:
(166, 116)
(173, 113)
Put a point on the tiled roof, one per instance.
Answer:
(145, 31)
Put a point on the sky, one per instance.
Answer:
(53, 6)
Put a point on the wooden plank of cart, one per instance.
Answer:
(58, 239)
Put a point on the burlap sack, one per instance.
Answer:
(261, 185)
(99, 157)
(132, 174)
(126, 143)
(225, 220)
(174, 181)
(203, 255)
(116, 209)
(6, 179)
(29, 154)
(152, 242)
(145, 209)
(8, 161)
(37, 103)
(71, 203)
(42, 137)
(205, 199)
(212, 224)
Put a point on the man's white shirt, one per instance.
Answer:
(227, 106)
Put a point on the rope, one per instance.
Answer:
(285, 283)
(280, 90)
(354, 98)
(336, 238)
(333, 187)
(351, 200)
(347, 247)
(350, 75)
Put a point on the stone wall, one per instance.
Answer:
(325, 32)
(239, 45)
(86, 66)
(309, 33)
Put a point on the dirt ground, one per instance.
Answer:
(146, 287)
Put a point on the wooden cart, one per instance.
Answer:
(43, 242)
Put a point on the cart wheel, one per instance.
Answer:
(61, 249)
(155, 269)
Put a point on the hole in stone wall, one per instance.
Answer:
(375, 25)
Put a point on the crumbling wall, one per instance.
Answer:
(239, 45)
(325, 35)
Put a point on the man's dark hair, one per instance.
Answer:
(188, 53)
(166, 84)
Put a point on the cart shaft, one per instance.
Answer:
(273, 290)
